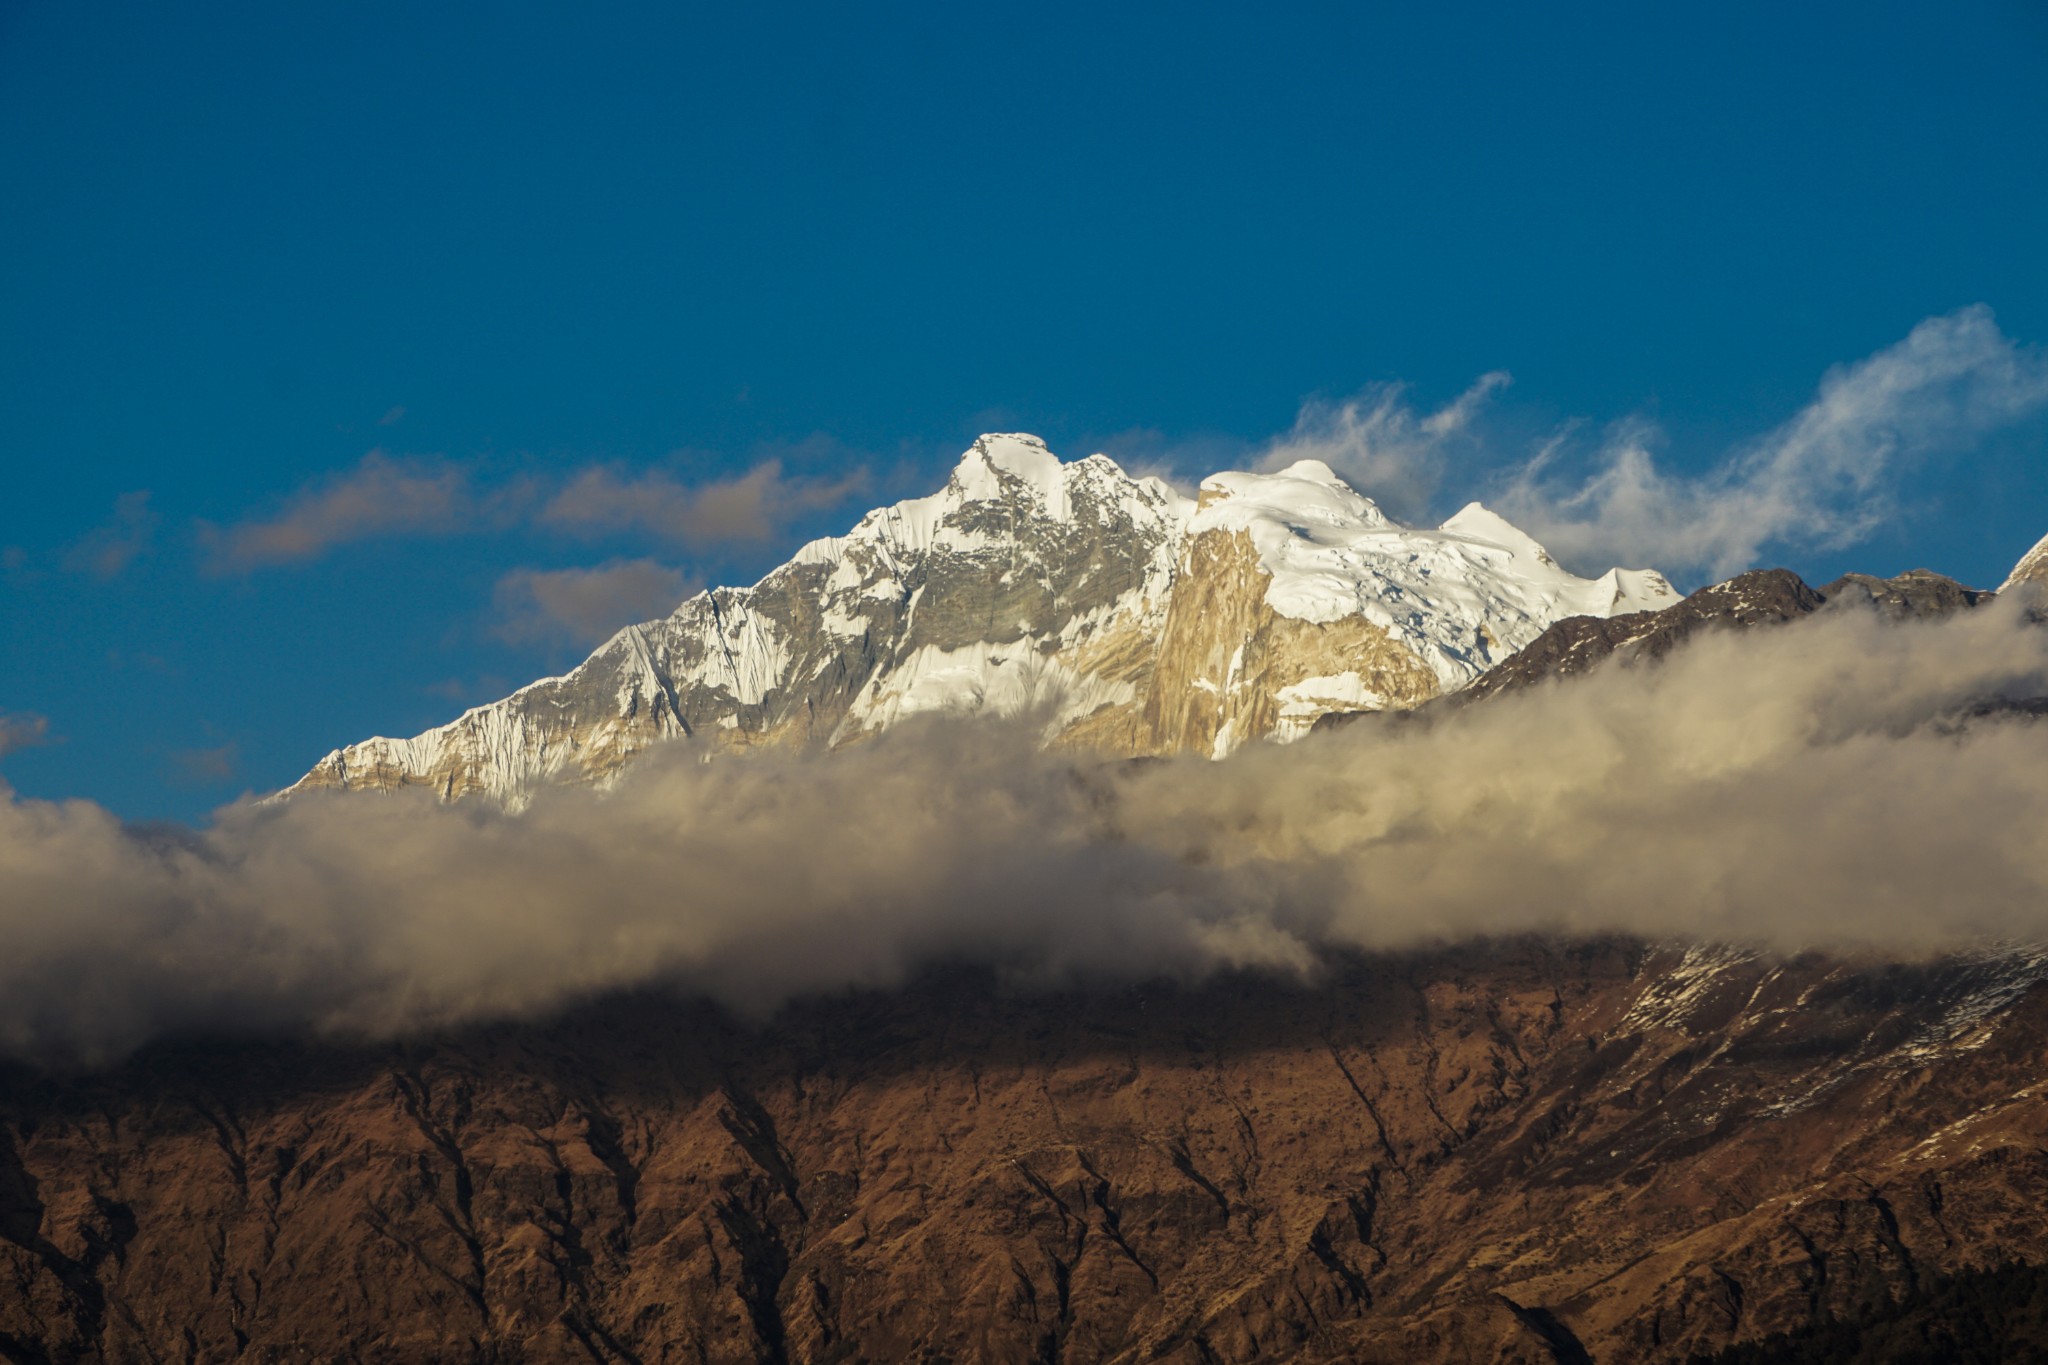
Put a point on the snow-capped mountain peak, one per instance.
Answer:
(995, 465)
(1123, 615)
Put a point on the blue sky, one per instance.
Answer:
(759, 267)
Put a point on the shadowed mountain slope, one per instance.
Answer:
(1510, 1151)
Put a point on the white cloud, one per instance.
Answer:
(1607, 806)
(1381, 445)
(1825, 479)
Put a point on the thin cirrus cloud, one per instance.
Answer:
(1825, 479)
(584, 606)
(385, 497)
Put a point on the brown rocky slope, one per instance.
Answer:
(1508, 1151)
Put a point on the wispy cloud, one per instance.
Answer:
(107, 551)
(1381, 445)
(205, 767)
(384, 496)
(751, 507)
(381, 496)
(583, 606)
(22, 730)
(1825, 479)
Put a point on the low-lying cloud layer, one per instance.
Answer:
(1792, 787)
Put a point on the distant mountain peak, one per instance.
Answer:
(997, 459)
(1122, 615)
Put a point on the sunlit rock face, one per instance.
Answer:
(1124, 616)
(1296, 597)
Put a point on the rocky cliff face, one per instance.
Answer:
(1129, 619)
(1600, 1151)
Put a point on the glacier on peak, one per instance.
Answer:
(1127, 616)
(1331, 553)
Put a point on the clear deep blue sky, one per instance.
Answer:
(242, 246)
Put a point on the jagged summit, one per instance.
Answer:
(1128, 617)
(998, 456)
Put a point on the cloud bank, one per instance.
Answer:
(1794, 787)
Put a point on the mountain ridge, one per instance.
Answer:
(1135, 620)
